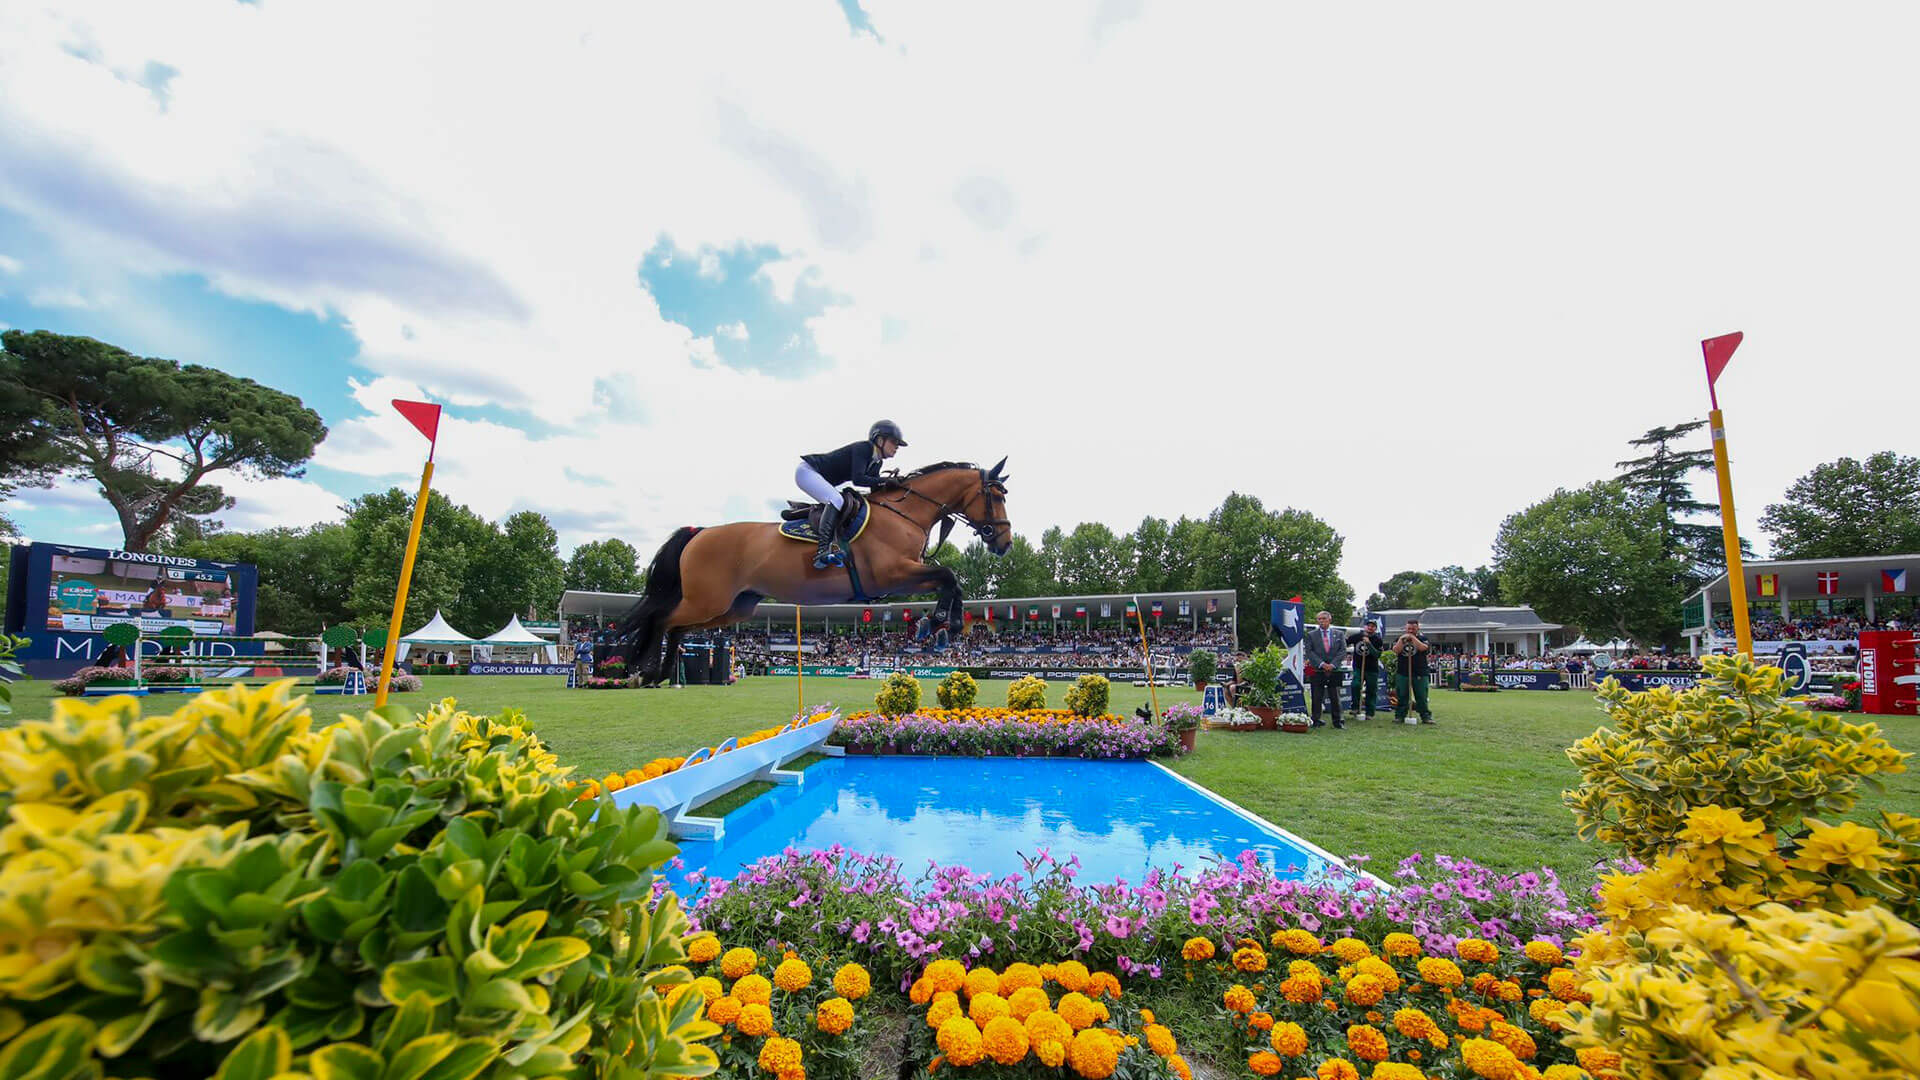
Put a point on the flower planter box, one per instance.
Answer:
(1269, 718)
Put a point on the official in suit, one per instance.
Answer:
(1366, 645)
(1326, 647)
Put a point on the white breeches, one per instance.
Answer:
(816, 486)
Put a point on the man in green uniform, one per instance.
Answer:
(1410, 673)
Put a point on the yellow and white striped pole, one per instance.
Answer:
(799, 666)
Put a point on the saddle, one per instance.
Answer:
(802, 521)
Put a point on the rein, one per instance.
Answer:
(944, 513)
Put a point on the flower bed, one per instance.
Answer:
(400, 682)
(985, 732)
(76, 684)
(661, 766)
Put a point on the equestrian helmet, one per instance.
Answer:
(887, 428)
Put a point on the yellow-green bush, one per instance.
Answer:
(899, 695)
(1088, 696)
(232, 889)
(957, 690)
(1733, 741)
(1027, 692)
(1760, 937)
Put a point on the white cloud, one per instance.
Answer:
(735, 330)
(1153, 253)
(10, 265)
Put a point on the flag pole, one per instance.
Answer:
(799, 665)
(1718, 351)
(406, 579)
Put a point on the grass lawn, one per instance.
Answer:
(1483, 783)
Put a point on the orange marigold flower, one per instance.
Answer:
(1564, 1072)
(1367, 1043)
(1301, 991)
(1349, 949)
(945, 974)
(1052, 1053)
(723, 1010)
(702, 949)
(1103, 984)
(1547, 1011)
(1440, 972)
(1300, 942)
(1484, 982)
(1401, 946)
(1598, 1060)
(1180, 1067)
(1160, 1040)
(1005, 1040)
(985, 1007)
(1413, 1023)
(1476, 950)
(778, 1055)
(946, 1006)
(1238, 999)
(1260, 1021)
(982, 981)
(1017, 977)
(1395, 1070)
(1490, 1060)
(834, 1016)
(960, 1040)
(1264, 1063)
(921, 991)
(1250, 958)
(1565, 983)
(1078, 1011)
(709, 988)
(1379, 969)
(1093, 1055)
(1288, 1039)
(754, 990)
(1046, 1026)
(1544, 952)
(1365, 990)
(852, 982)
(1026, 1001)
(1072, 975)
(738, 962)
(1514, 1039)
(755, 1019)
(793, 975)
(1338, 1069)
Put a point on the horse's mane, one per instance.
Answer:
(938, 466)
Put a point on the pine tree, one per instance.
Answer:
(1662, 476)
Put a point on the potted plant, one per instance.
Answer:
(1202, 665)
(1262, 692)
(1296, 723)
(1184, 720)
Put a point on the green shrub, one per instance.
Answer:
(899, 695)
(1027, 692)
(1202, 665)
(1733, 741)
(957, 690)
(10, 669)
(1088, 696)
(1262, 675)
(385, 895)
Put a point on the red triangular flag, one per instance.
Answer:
(422, 415)
(1719, 353)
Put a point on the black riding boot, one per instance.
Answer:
(830, 526)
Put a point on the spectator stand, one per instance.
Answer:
(1824, 603)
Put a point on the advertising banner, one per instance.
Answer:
(519, 669)
(1289, 621)
(1646, 680)
(1527, 680)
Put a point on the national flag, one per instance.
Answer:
(1213, 605)
(989, 613)
(886, 616)
(1079, 611)
(966, 616)
(1766, 584)
(1013, 613)
(1056, 611)
(1033, 613)
(1894, 580)
(1828, 582)
(1186, 608)
(1106, 611)
(1156, 609)
(1132, 610)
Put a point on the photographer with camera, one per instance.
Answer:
(1326, 647)
(1366, 645)
(1410, 673)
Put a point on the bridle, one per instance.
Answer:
(944, 512)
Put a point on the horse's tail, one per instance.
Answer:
(646, 625)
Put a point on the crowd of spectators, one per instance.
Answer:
(1075, 648)
(1769, 625)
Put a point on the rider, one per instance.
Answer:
(822, 476)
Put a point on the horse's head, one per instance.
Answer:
(987, 513)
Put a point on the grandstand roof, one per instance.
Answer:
(583, 604)
(1799, 579)
(1449, 619)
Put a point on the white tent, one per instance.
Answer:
(515, 636)
(436, 632)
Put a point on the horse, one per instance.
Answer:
(703, 579)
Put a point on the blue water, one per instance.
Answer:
(1120, 817)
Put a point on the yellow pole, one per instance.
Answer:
(1730, 530)
(799, 666)
(406, 579)
(1140, 616)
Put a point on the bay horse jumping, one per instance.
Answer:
(708, 578)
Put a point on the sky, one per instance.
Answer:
(1407, 266)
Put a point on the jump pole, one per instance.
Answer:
(799, 666)
(1140, 616)
(425, 417)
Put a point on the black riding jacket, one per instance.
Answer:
(854, 463)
